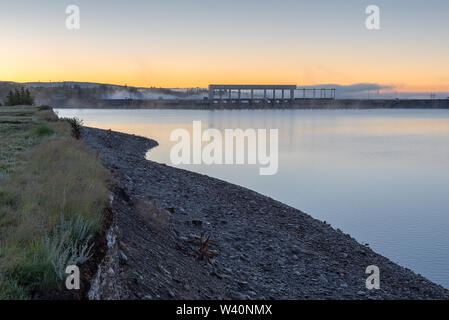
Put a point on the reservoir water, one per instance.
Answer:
(380, 175)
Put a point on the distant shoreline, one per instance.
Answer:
(258, 104)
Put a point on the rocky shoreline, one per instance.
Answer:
(265, 249)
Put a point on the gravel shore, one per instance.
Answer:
(265, 249)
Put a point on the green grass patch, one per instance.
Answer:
(11, 290)
(43, 130)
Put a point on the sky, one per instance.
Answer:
(192, 43)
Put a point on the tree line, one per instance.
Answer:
(19, 97)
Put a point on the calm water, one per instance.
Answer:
(380, 175)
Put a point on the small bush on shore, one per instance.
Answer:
(76, 126)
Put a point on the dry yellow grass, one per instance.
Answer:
(55, 176)
(60, 175)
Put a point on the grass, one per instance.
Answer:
(53, 190)
(43, 130)
(45, 107)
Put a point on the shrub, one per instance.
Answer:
(76, 124)
(45, 107)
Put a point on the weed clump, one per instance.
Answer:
(76, 124)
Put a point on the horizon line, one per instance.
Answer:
(383, 88)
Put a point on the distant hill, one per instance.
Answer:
(45, 92)
(61, 84)
(67, 83)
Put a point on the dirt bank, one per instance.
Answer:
(266, 249)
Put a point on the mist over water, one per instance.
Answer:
(380, 175)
